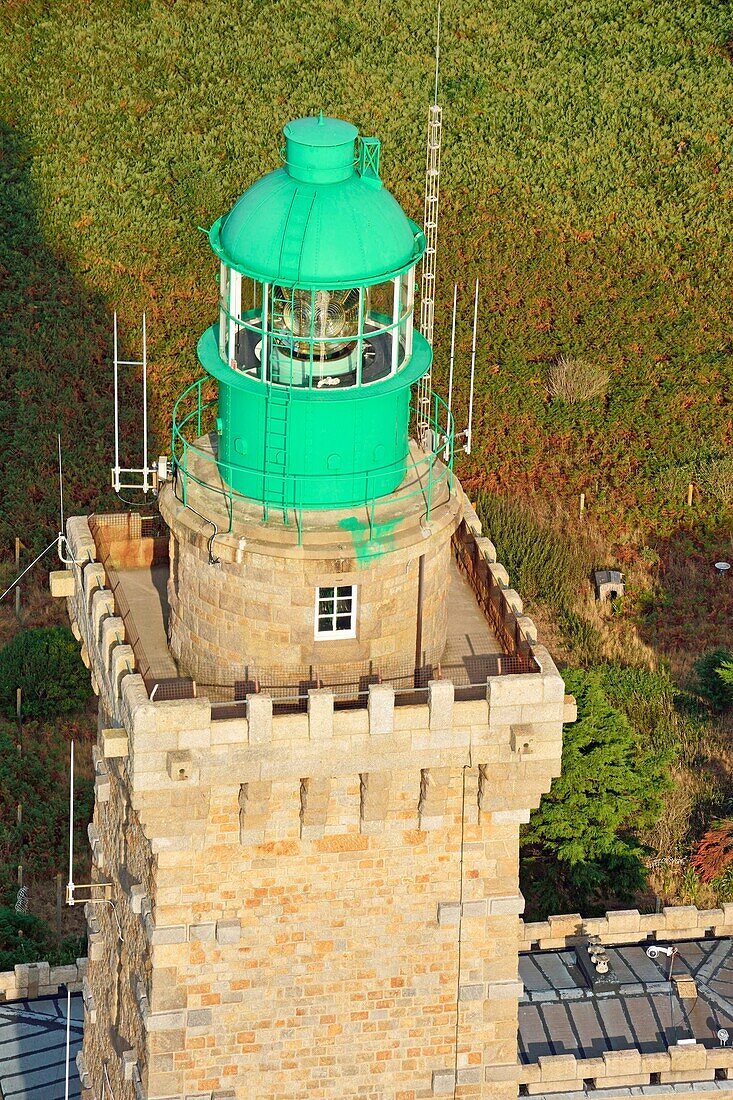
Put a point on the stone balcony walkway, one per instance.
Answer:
(470, 638)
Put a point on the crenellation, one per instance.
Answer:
(314, 800)
(320, 714)
(103, 607)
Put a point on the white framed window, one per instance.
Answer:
(335, 612)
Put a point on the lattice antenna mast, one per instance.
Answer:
(143, 478)
(427, 278)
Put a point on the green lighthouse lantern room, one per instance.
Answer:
(315, 351)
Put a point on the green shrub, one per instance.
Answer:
(23, 938)
(580, 848)
(650, 701)
(68, 950)
(713, 686)
(45, 664)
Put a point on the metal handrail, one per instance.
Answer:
(183, 449)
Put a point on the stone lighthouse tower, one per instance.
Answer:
(310, 785)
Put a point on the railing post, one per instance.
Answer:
(431, 460)
(185, 473)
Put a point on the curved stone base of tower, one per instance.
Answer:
(246, 601)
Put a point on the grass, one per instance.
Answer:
(586, 180)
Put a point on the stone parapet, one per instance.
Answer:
(30, 980)
(674, 922)
(619, 1069)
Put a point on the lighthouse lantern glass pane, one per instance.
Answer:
(223, 300)
(380, 328)
(241, 324)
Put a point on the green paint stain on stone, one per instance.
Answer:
(370, 541)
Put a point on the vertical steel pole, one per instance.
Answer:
(61, 487)
(17, 587)
(473, 373)
(452, 348)
(68, 1040)
(448, 452)
(146, 486)
(70, 887)
(116, 480)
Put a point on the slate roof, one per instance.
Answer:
(560, 1014)
(33, 1048)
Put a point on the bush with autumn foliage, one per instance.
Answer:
(714, 852)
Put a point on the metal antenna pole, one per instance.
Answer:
(61, 488)
(447, 451)
(68, 1041)
(70, 887)
(116, 471)
(452, 347)
(473, 373)
(427, 279)
(139, 478)
(437, 57)
(146, 485)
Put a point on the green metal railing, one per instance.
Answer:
(194, 414)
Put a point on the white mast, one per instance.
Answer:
(469, 430)
(68, 1041)
(452, 348)
(446, 453)
(427, 279)
(70, 886)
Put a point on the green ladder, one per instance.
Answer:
(276, 450)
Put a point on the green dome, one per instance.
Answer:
(320, 220)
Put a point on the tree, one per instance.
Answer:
(45, 664)
(715, 675)
(580, 844)
(725, 672)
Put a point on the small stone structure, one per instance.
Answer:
(608, 583)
